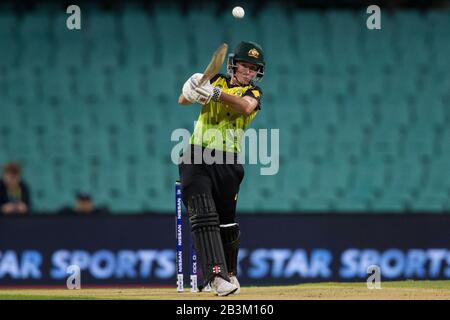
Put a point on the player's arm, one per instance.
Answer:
(245, 105)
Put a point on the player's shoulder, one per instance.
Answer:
(253, 87)
(219, 76)
(256, 89)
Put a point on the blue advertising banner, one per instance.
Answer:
(276, 248)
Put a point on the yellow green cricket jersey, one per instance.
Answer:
(229, 124)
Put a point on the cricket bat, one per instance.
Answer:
(214, 66)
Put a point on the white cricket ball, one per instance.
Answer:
(238, 12)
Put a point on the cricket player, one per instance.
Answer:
(229, 104)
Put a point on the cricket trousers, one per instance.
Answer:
(221, 181)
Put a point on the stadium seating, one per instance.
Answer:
(363, 115)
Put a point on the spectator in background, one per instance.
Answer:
(14, 193)
(84, 205)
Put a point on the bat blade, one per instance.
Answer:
(214, 66)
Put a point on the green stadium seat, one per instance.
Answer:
(419, 142)
(74, 115)
(430, 203)
(105, 52)
(21, 84)
(385, 140)
(309, 33)
(316, 203)
(323, 111)
(8, 57)
(248, 199)
(56, 82)
(439, 20)
(274, 84)
(302, 180)
(169, 51)
(78, 177)
(9, 119)
(37, 53)
(71, 54)
(422, 117)
(8, 23)
(404, 177)
(444, 145)
(96, 144)
(275, 37)
(333, 178)
(162, 85)
(138, 52)
(313, 141)
(438, 181)
(40, 179)
(354, 203)
(357, 112)
(23, 148)
(101, 25)
(143, 110)
(391, 203)
(301, 85)
(127, 81)
(247, 204)
(133, 19)
(35, 25)
(90, 82)
(333, 88)
(343, 40)
(150, 183)
(200, 21)
(235, 31)
(403, 79)
(348, 141)
(369, 177)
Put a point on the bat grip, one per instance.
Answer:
(202, 81)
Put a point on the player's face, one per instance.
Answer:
(11, 180)
(245, 72)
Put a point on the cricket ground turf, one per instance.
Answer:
(398, 290)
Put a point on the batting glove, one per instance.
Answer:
(189, 86)
(208, 92)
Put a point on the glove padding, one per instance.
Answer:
(208, 92)
(193, 93)
(189, 88)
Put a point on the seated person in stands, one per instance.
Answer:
(84, 205)
(14, 193)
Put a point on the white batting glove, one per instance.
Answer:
(200, 97)
(189, 86)
(208, 92)
(195, 79)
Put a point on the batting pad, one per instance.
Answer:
(206, 237)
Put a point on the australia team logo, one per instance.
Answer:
(253, 53)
